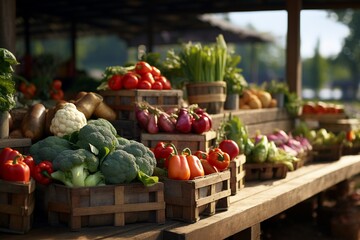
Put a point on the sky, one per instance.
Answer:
(315, 25)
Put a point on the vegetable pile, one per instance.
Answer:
(140, 76)
(192, 119)
(7, 85)
(186, 165)
(261, 148)
(95, 155)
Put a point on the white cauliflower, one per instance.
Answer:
(67, 120)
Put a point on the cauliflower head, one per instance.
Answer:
(67, 120)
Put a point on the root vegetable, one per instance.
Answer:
(33, 124)
(254, 102)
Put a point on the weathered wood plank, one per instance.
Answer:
(262, 205)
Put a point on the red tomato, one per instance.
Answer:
(167, 85)
(57, 84)
(157, 86)
(148, 77)
(144, 85)
(142, 67)
(230, 147)
(57, 94)
(130, 81)
(114, 82)
(155, 72)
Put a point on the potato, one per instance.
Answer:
(33, 124)
(265, 98)
(273, 103)
(246, 96)
(254, 102)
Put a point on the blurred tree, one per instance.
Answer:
(318, 69)
(350, 53)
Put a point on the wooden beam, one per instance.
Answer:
(7, 24)
(293, 58)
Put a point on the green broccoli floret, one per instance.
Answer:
(97, 139)
(76, 165)
(95, 179)
(122, 142)
(48, 148)
(103, 123)
(119, 167)
(62, 177)
(144, 157)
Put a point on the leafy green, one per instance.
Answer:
(7, 84)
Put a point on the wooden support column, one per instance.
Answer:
(7, 24)
(293, 58)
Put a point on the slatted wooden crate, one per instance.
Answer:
(114, 205)
(20, 144)
(324, 153)
(195, 142)
(17, 202)
(237, 177)
(190, 200)
(264, 171)
(122, 101)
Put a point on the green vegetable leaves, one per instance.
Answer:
(7, 85)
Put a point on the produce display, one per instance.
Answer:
(191, 119)
(256, 99)
(93, 155)
(139, 76)
(319, 107)
(186, 165)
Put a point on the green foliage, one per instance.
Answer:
(7, 84)
(235, 81)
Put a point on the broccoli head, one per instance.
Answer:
(76, 165)
(48, 148)
(98, 136)
(103, 123)
(144, 157)
(119, 167)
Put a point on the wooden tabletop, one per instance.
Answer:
(255, 203)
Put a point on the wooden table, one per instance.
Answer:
(255, 203)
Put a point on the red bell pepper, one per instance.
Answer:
(16, 170)
(201, 154)
(30, 162)
(8, 154)
(42, 172)
(219, 159)
(162, 152)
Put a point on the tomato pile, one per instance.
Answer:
(186, 165)
(141, 76)
(191, 119)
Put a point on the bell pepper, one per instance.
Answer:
(30, 162)
(196, 168)
(201, 154)
(219, 159)
(208, 168)
(16, 170)
(42, 172)
(162, 152)
(8, 154)
(178, 167)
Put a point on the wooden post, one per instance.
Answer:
(7, 24)
(293, 58)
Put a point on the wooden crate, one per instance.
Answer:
(338, 125)
(264, 171)
(327, 153)
(304, 158)
(351, 150)
(128, 129)
(189, 200)
(114, 205)
(20, 144)
(195, 142)
(17, 202)
(237, 175)
(122, 101)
